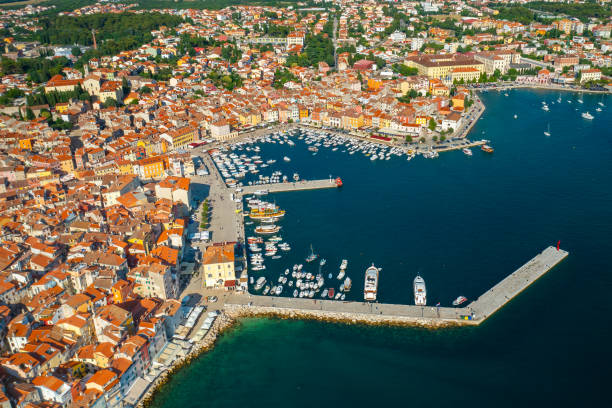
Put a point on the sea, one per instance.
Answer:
(463, 223)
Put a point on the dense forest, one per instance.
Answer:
(133, 28)
(516, 13)
(38, 69)
(527, 14)
(582, 11)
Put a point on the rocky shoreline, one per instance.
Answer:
(232, 313)
(221, 324)
(238, 311)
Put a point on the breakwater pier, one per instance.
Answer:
(291, 186)
(383, 313)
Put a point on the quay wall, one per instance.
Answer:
(504, 291)
(291, 186)
(397, 314)
(238, 310)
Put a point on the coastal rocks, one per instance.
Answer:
(221, 324)
(238, 311)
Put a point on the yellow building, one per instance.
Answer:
(374, 83)
(421, 120)
(125, 167)
(180, 137)
(153, 167)
(61, 107)
(442, 66)
(465, 73)
(25, 143)
(352, 120)
(248, 117)
(65, 163)
(303, 113)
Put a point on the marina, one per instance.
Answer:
(474, 313)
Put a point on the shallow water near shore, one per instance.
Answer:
(464, 223)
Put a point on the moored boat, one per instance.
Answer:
(347, 284)
(312, 256)
(370, 287)
(420, 292)
(459, 300)
(267, 229)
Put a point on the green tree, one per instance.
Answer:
(29, 114)
(110, 103)
(432, 124)
(76, 51)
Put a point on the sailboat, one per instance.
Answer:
(312, 255)
(547, 132)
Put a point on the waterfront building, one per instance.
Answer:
(218, 265)
(441, 66)
(590, 75)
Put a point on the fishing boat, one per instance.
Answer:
(420, 292)
(466, 151)
(588, 116)
(459, 300)
(486, 148)
(330, 293)
(370, 287)
(312, 256)
(267, 229)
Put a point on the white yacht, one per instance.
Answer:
(420, 293)
(370, 287)
(260, 282)
(587, 115)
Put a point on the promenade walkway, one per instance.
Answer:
(291, 186)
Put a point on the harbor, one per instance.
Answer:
(443, 217)
(474, 313)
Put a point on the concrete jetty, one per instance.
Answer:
(500, 294)
(383, 313)
(291, 186)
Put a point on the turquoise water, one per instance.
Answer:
(463, 223)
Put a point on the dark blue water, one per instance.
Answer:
(463, 223)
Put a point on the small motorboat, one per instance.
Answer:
(460, 300)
